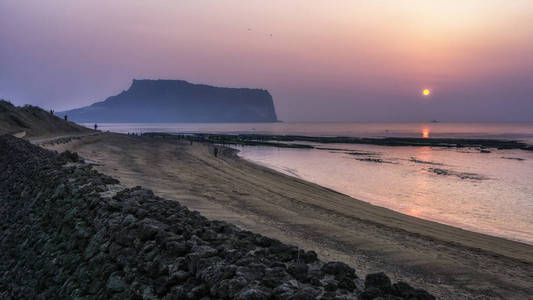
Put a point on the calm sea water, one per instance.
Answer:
(490, 193)
(523, 131)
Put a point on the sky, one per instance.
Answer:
(326, 61)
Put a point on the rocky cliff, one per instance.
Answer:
(149, 101)
(68, 232)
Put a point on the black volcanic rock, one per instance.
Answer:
(148, 101)
(65, 235)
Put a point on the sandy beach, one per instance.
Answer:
(449, 262)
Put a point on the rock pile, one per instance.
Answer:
(64, 237)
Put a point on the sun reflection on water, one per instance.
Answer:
(425, 133)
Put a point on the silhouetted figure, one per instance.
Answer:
(216, 152)
(66, 118)
(52, 112)
(191, 142)
(95, 127)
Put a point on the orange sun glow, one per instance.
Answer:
(425, 133)
(426, 92)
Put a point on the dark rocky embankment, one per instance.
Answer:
(66, 235)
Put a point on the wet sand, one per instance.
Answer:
(449, 262)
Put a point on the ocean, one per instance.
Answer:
(490, 193)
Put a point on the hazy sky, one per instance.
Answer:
(321, 60)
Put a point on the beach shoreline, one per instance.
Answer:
(447, 261)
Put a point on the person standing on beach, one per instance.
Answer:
(95, 126)
(216, 151)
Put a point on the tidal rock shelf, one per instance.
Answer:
(291, 141)
(66, 235)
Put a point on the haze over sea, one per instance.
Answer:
(490, 193)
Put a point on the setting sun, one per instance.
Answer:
(426, 92)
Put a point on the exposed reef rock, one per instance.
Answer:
(159, 101)
(513, 158)
(65, 235)
(418, 161)
(363, 153)
(250, 139)
(462, 175)
(374, 160)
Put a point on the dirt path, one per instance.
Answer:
(19, 134)
(50, 139)
(449, 262)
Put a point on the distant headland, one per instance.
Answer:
(160, 101)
